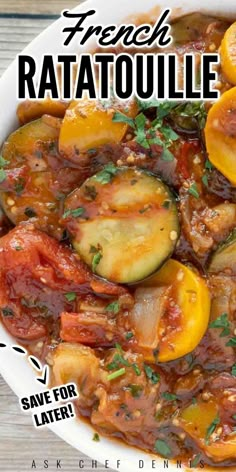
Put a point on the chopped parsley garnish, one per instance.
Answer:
(167, 155)
(171, 397)
(221, 322)
(205, 180)
(140, 132)
(194, 401)
(95, 260)
(70, 296)
(162, 448)
(119, 360)
(18, 248)
(105, 176)
(211, 429)
(195, 110)
(129, 335)
(208, 165)
(136, 369)
(196, 460)
(193, 190)
(114, 307)
(76, 213)
(92, 151)
(164, 107)
(119, 117)
(116, 374)
(30, 212)
(19, 185)
(7, 312)
(233, 371)
(3, 162)
(234, 417)
(153, 376)
(2, 175)
(231, 342)
(147, 136)
(96, 437)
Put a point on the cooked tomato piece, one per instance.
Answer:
(39, 279)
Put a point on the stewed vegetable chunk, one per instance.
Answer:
(33, 177)
(224, 258)
(123, 223)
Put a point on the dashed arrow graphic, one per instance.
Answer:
(44, 378)
(34, 362)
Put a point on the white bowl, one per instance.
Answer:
(15, 368)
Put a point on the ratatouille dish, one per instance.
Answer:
(118, 256)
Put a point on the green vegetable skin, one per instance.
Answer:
(27, 146)
(225, 256)
(130, 227)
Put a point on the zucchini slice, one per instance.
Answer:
(123, 223)
(224, 258)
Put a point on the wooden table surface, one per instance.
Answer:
(20, 442)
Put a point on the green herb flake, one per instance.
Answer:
(96, 437)
(70, 296)
(18, 248)
(193, 190)
(167, 155)
(171, 397)
(19, 185)
(105, 176)
(116, 374)
(3, 175)
(129, 335)
(195, 110)
(3, 162)
(221, 322)
(164, 107)
(95, 260)
(169, 134)
(231, 342)
(196, 460)
(233, 370)
(208, 165)
(205, 180)
(76, 213)
(114, 307)
(153, 376)
(211, 428)
(234, 417)
(141, 137)
(162, 448)
(194, 401)
(136, 369)
(119, 117)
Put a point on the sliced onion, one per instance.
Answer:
(149, 306)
